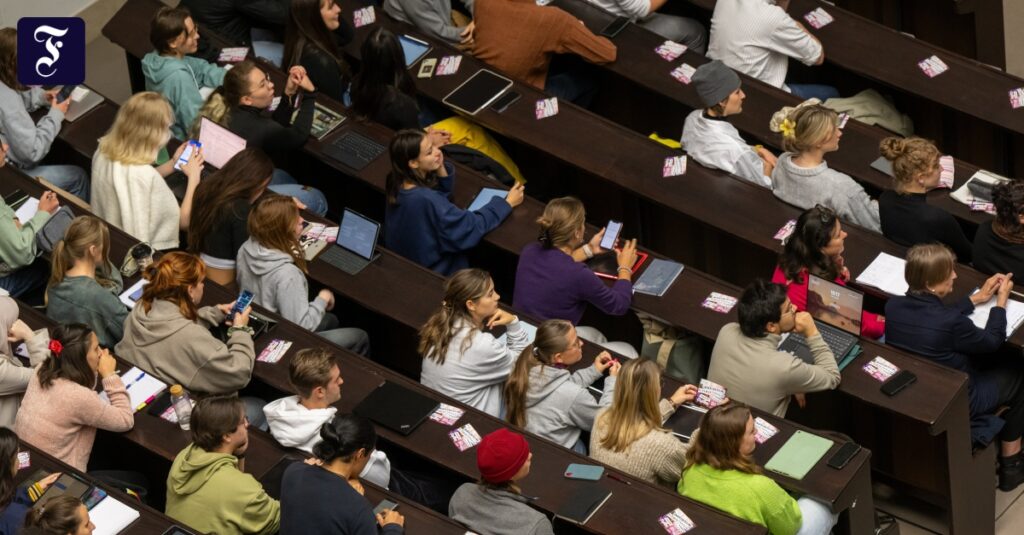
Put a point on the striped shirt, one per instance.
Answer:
(757, 38)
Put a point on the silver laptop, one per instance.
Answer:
(356, 244)
(83, 100)
(837, 312)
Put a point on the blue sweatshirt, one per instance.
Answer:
(13, 516)
(314, 500)
(425, 227)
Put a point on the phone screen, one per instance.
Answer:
(243, 301)
(614, 27)
(384, 504)
(611, 233)
(186, 154)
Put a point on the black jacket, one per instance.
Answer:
(276, 135)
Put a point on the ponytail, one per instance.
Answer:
(551, 339)
(84, 232)
(217, 107)
(436, 334)
(562, 219)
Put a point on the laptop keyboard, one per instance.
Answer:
(354, 150)
(837, 341)
(343, 260)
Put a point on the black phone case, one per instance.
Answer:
(843, 456)
(898, 382)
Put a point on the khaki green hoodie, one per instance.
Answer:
(207, 492)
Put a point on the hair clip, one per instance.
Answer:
(788, 128)
(56, 347)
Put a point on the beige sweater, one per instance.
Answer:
(62, 420)
(657, 457)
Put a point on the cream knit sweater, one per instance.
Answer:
(657, 457)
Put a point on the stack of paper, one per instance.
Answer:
(111, 516)
(886, 274)
(1014, 315)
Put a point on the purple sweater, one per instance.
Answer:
(551, 285)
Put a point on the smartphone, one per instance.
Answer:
(243, 301)
(65, 92)
(384, 505)
(505, 101)
(611, 234)
(187, 153)
(898, 382)
(614, 27)
(843, 456)
(590, 472)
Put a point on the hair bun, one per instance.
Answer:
(893, 147)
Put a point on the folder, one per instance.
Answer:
(799, 454)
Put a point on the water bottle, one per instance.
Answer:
(182, 405)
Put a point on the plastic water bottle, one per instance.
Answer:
(182, 405)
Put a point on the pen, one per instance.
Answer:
(618, 478)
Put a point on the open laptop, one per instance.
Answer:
(837, 311)
(83, 100)
(396, 407)
(219, 143)
(357, 240)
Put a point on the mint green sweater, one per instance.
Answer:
(752, 497)
(18, 245)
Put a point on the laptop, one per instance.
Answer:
(478, 92)
(413, 49)
(357, 240)
(353, 150)
(396, 407)
(83, 100)
(837, 311)
(219, 143)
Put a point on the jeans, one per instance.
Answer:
(818, 519)
(595, 336)
(254, 412)
(285, 184)
(264, 45)
(70, 178)
(351, 338)
(571, 79)
(679, 29)
(26, 279)
(818, 91)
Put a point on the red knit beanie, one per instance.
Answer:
(500, 455)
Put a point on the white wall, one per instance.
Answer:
(1013, 18)
(12, 10)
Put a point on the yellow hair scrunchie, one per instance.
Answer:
(788, 128)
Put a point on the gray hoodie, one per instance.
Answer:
(559, 406)
(177, 350)
(278, 284)
(29, 140)
(496, 512)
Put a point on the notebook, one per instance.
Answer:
(396, 407)
(885, 273)
(484, 197)
(583, 503)
(112, 516)
(658, 277)
(1014, 314)
(142, 388)
(799, 454)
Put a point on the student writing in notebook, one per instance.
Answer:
(746, 359)
(999, 243)
(721, 472)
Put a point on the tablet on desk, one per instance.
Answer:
(485, 197)
(413, 48)
(475, 94)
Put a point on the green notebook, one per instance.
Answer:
(799, 454)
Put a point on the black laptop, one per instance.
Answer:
(837, 311)
(396, 407)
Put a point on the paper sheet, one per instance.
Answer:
(27, 210)
(886, 274)
(111, 516)
(1014, 315)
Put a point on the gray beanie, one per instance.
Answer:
(714, 82)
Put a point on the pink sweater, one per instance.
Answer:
(62, 420)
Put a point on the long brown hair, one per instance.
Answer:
(272, 225)
(71, 362)
(552, 338)
(404, 148)
(436, 333)
(634, 411)
(8, 456)
(247, 172)
(170, 278)
(84, 232)
(9, 59)
(561, 219)
(306, 28)
(802, 251)
(217, 107)
(719, 438)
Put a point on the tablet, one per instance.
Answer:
(485, 197)
(219, 144)
(413, 48)
(475, 94)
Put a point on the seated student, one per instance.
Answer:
(29, 140)
(127, 190)
(309, 42)
(238, 105)
(816, 247)
(207, 487)
(553, 282)
(905, 214)
(172, 72)
(16, 501)
(746, 359)
(15, 377)
(436, 18)
(271, 265)
(645, 13)
(999, 243)
(383, 92)
(757, 38)
(711, 139)
(20, 270)
(521, 38)
(803, 178)
(721, 472)
(60, 515)
(326, 497)
(495, 504)
(167, 335)
(629, 435)
(543, 397)
(295, 421)
(460, 358)
(420, 222)
(84, 285)
(61, 410)
(921, 323)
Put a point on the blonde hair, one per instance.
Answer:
(634, 412)
(218, 105)
(140, 130)
(804, 126)
(561, 219)
(910, 157)
(928, 265)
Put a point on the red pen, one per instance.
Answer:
(618, 478)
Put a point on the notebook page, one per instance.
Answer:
(886, 274)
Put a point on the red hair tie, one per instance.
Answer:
(56, 347)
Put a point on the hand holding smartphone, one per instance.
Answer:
(611, 234)
(187, 153)
(243, 302)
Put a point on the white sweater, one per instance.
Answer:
(137, 200)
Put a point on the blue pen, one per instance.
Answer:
(137, 379)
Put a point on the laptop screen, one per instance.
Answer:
(358, 234)
(413, 48)
(835, 304)
(219, 143)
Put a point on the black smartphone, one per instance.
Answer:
(843, 456)
(65, 92)
(898, 382)
(384, 505)
(505, 101)
(614, 27)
